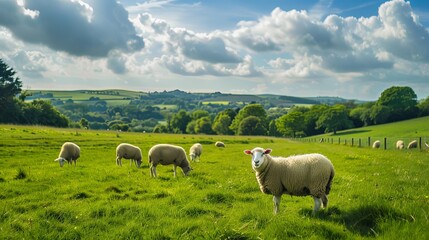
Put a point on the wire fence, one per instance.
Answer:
(386, 143)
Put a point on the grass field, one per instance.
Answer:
(375, 194)
(408, 130)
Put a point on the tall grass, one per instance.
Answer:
(382, 194)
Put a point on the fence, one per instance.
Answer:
(386, 143)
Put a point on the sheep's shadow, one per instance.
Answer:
(363, 220)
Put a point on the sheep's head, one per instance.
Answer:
(61, 161)
(257, 156)
(192, 156)
(139, 162)
(186, 170)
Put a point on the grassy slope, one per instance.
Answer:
(375, 193)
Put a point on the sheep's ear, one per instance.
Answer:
(267, 151)
(248, 152)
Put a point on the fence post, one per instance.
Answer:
(339, 141)
(360, 143)
(385, 143)
(420, 143)
(369, 141)
(352, 142)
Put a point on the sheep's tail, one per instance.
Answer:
(328, 186)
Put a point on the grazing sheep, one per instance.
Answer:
(195, 152)
(69, 152)
(376, 144)
(412, 144)
(400, 144)
(300, 175)
(128, 151)
(219, 144)
(166, 154)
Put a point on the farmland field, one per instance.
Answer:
(383, 194)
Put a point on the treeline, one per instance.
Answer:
(394, 104)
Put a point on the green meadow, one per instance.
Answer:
(376, 193)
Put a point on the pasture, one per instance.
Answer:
(382, 194)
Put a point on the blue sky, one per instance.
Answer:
(350, 49)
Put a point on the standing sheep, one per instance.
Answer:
(166, 154)
(220, 144)
(195, 152)
(412, 144)
(69, 152)
(300, 175)
(128, 151)
(376, 144)
(400, 144)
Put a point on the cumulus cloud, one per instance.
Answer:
(82, 28)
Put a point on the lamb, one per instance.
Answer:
(400, 144)
(412, 144)
(166, 154)
(195, 152)
(219, 144)
(69, 152)
(376, 144)
(128, 151)
(300, 175)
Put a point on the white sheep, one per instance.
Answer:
(300, 175)
(69, 152)
(376, 144)
(219, 144)
(195, 152)
(166, 154)
(412, 144)
(128, 151)
(400, 144)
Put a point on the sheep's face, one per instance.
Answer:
(257, 156)
(61, 161)
(139, 162)
(192, 156)
(186, 170)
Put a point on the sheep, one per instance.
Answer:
(128, 151)
(69, 152)
(299, 175)
(412, 144)
(166, 154)
(219, 144)
(195, 152)
(376, 144)
(400, 144)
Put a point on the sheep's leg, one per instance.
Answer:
(174, 170)
(276, 200)
(153, 171)
(119, 161)
(325, 201)
(317, 203)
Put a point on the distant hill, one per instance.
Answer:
(117, 97)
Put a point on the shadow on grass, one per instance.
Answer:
(363, 220)
(350, 132)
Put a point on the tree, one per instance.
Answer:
(256, 110)
(197, 114)
(251, 125)
(333, 119)
(204, 125)
(401, 100)
(10, 86)
(379, 114)
(180, 120)
(84, 123)
(272, 129)
(311, 117)
(292, 122)
(423, 107)
(221, 124)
